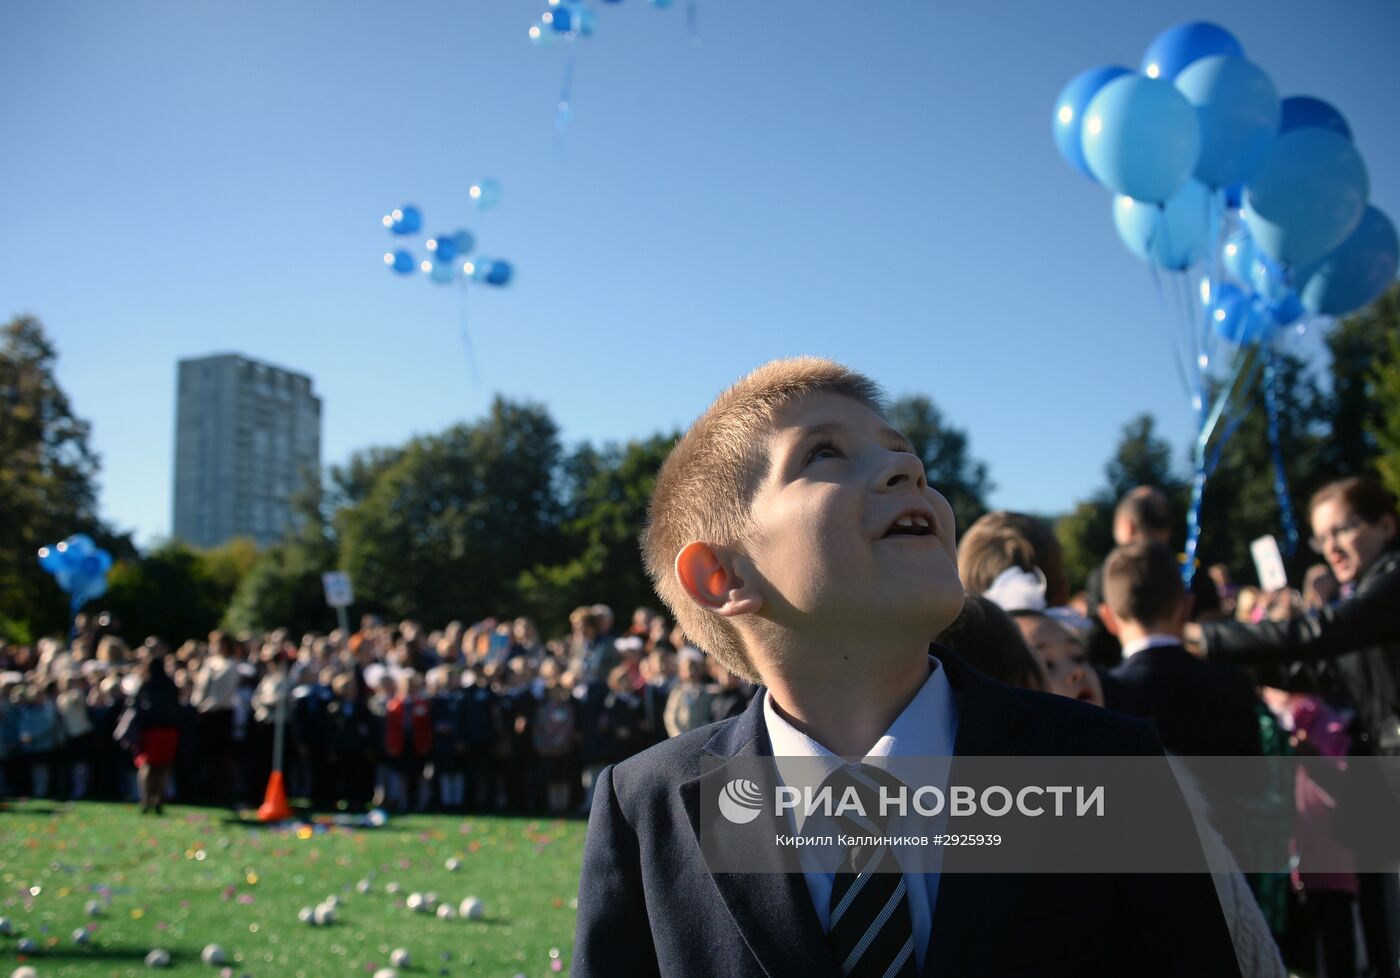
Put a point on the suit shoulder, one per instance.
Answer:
(661, 768)
(1068, 727)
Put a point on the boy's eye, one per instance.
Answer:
(822, 450)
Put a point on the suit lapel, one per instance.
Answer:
(772, 909)
(973, 909)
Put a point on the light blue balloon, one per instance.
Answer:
(1174, 235)
(1068, 120)
(1238, 108)
(442, 272)
(1356, 273)
(1306, 196)
(465, 241)
(1141, 138)
(485, 193)
(1184, 44)
(1238, 255)
(80, 544)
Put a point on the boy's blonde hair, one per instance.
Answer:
(704, 490)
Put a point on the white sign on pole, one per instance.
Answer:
(1269, 563)
(339, 594)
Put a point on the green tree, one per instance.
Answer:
(1142, 457)
(282, 588)
(947, 458)
(445, 530)
(606, 496)
(1240, 503)
(1386, 429)
(177, 591)
(48, 481)
(1361, 349)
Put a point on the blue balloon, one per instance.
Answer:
(1234, 196)
(498, 272)
(1068, 121)
(1287, 310)
(465, 241)
(1174, 235)
(1356, 273)
(1176, 47)
(1238, 255)
(80, 543)
(1238, 318)
(442, 272)
(1238, 108)
(444, 247)
(406, 220)
(661, 4)
(561, 18)
(1306, 112)
(585, 22)
(52, 559)
(1141, 138)
(401, 261)
(1306, 196)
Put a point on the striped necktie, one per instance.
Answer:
(871, 932)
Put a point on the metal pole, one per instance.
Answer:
(344, 621)
(280, 721)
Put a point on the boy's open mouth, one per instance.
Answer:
(910, 525)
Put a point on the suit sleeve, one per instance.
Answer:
(1175, 925)
(614, 935)
(1364, 620)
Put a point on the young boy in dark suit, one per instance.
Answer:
(795, 538)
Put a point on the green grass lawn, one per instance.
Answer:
(194, 877)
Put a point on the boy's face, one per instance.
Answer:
(845, 526)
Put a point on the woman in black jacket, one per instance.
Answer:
(1355, 527)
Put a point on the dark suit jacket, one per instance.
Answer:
(1197, 707)
(648, 905)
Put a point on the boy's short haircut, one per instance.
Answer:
(1148, 508)
(707, 484)
(1002, 540)
(1142, 582)
(988, 639)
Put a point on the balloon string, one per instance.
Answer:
(466, 336)
(1285, 502)
(692, 23)
(1170, 315)
(566, 89)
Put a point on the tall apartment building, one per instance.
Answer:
(247, 439)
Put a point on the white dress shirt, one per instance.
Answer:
(926, 728)
(1150, 642)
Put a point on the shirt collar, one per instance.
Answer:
(1149, 642)
(925, 728)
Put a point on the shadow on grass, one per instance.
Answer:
(113, 955)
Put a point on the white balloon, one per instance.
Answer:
(473, 909)
(159, 958)
(26, 945)
(364, 886)
(80, 936)
(453, 864)
(6, 927)
(24, 971)
(306, 915)
(446, 912)
(323, 915)
(399, 957)
(386, 973)
(213, 954)
(392, 888)
(93, 908)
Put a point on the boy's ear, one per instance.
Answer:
(711, 578)
(1109, 619)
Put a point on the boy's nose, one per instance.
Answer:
(904, 468)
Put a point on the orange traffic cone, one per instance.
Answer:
(274, 807)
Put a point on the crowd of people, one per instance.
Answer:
(488, 717)
(479, 718)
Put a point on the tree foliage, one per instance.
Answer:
(606, 502)
(177, 591)
(48, 481)
(947, 458)
(444, 530)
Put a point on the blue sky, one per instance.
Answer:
(873, 181)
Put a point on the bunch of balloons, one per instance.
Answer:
(448, 256)
(1257, 205)
(79, 566)
(570, 20)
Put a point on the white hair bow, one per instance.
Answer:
(1015, 589)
